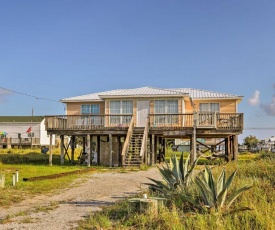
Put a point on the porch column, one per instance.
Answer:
(62, 153)
(73, 148)
(51, 152)
(153, 150)
(110, 150)
(88, 150)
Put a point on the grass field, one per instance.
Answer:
(31, 163)
(178, 215)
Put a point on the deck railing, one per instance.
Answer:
(202, 120)
(86, 122)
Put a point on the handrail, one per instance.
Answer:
(127, 140)
(144, 139)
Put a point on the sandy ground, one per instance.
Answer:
(65, 209)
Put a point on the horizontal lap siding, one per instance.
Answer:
(74, 108)
(226, 106)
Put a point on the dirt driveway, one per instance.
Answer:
(63, 210)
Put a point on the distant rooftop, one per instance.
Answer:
(21, 118)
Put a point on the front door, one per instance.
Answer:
(143, 110)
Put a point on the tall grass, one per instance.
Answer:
(261, 198)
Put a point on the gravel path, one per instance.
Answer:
(63, 210)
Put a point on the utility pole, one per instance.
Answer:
(31, 128)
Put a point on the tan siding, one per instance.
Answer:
(188, 106)
(74, 108)
(226, 106)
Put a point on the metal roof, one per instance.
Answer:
(200, 94)
(151, 91)
(21, 118)
(144, 91)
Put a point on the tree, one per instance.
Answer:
(251, 141)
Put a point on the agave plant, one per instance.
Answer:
(215, 193)
(176, 176)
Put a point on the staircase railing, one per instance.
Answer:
(127, 141)
(143, 151)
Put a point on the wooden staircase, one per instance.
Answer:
(132, 157)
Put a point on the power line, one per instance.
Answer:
(28, 95)
(260, 128)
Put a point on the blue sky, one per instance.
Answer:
(61, 48)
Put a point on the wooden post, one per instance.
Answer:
(164, 148)
(226, 148)
(72, 148)
(235, 152)
(157, 149)
(110, 150)
(98, 150)
(146, 153)
(91, 149)
(51, 151)
(88, 150)
(153, 150)
(120, 151)
(62, 153)
(2, 180)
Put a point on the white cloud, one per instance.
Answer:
(3, 94)
(269, 108)
(255, 99)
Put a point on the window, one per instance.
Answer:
(90, 109)
(209, 107)
(164, 108)
(30, 134)
(207, 119)
(123, 108)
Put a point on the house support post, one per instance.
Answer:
(230, 148)
(164, 149)
(51, 151)
(91, 150)
(98, 150)
(110, 150)
(194, 147)
(226, 145)
(153, 150)
(88, 150)
(235, 153)
(62, 152)
(72, 148)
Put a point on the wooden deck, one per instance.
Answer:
(101, 123)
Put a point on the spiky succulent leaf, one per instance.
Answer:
(211, 183)
(237, 210)
(230, 179)
(205, 192)
(221, 182)
(175, 168)
(182, 168)
(221, 198)
(236, 194)
(158, 183)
